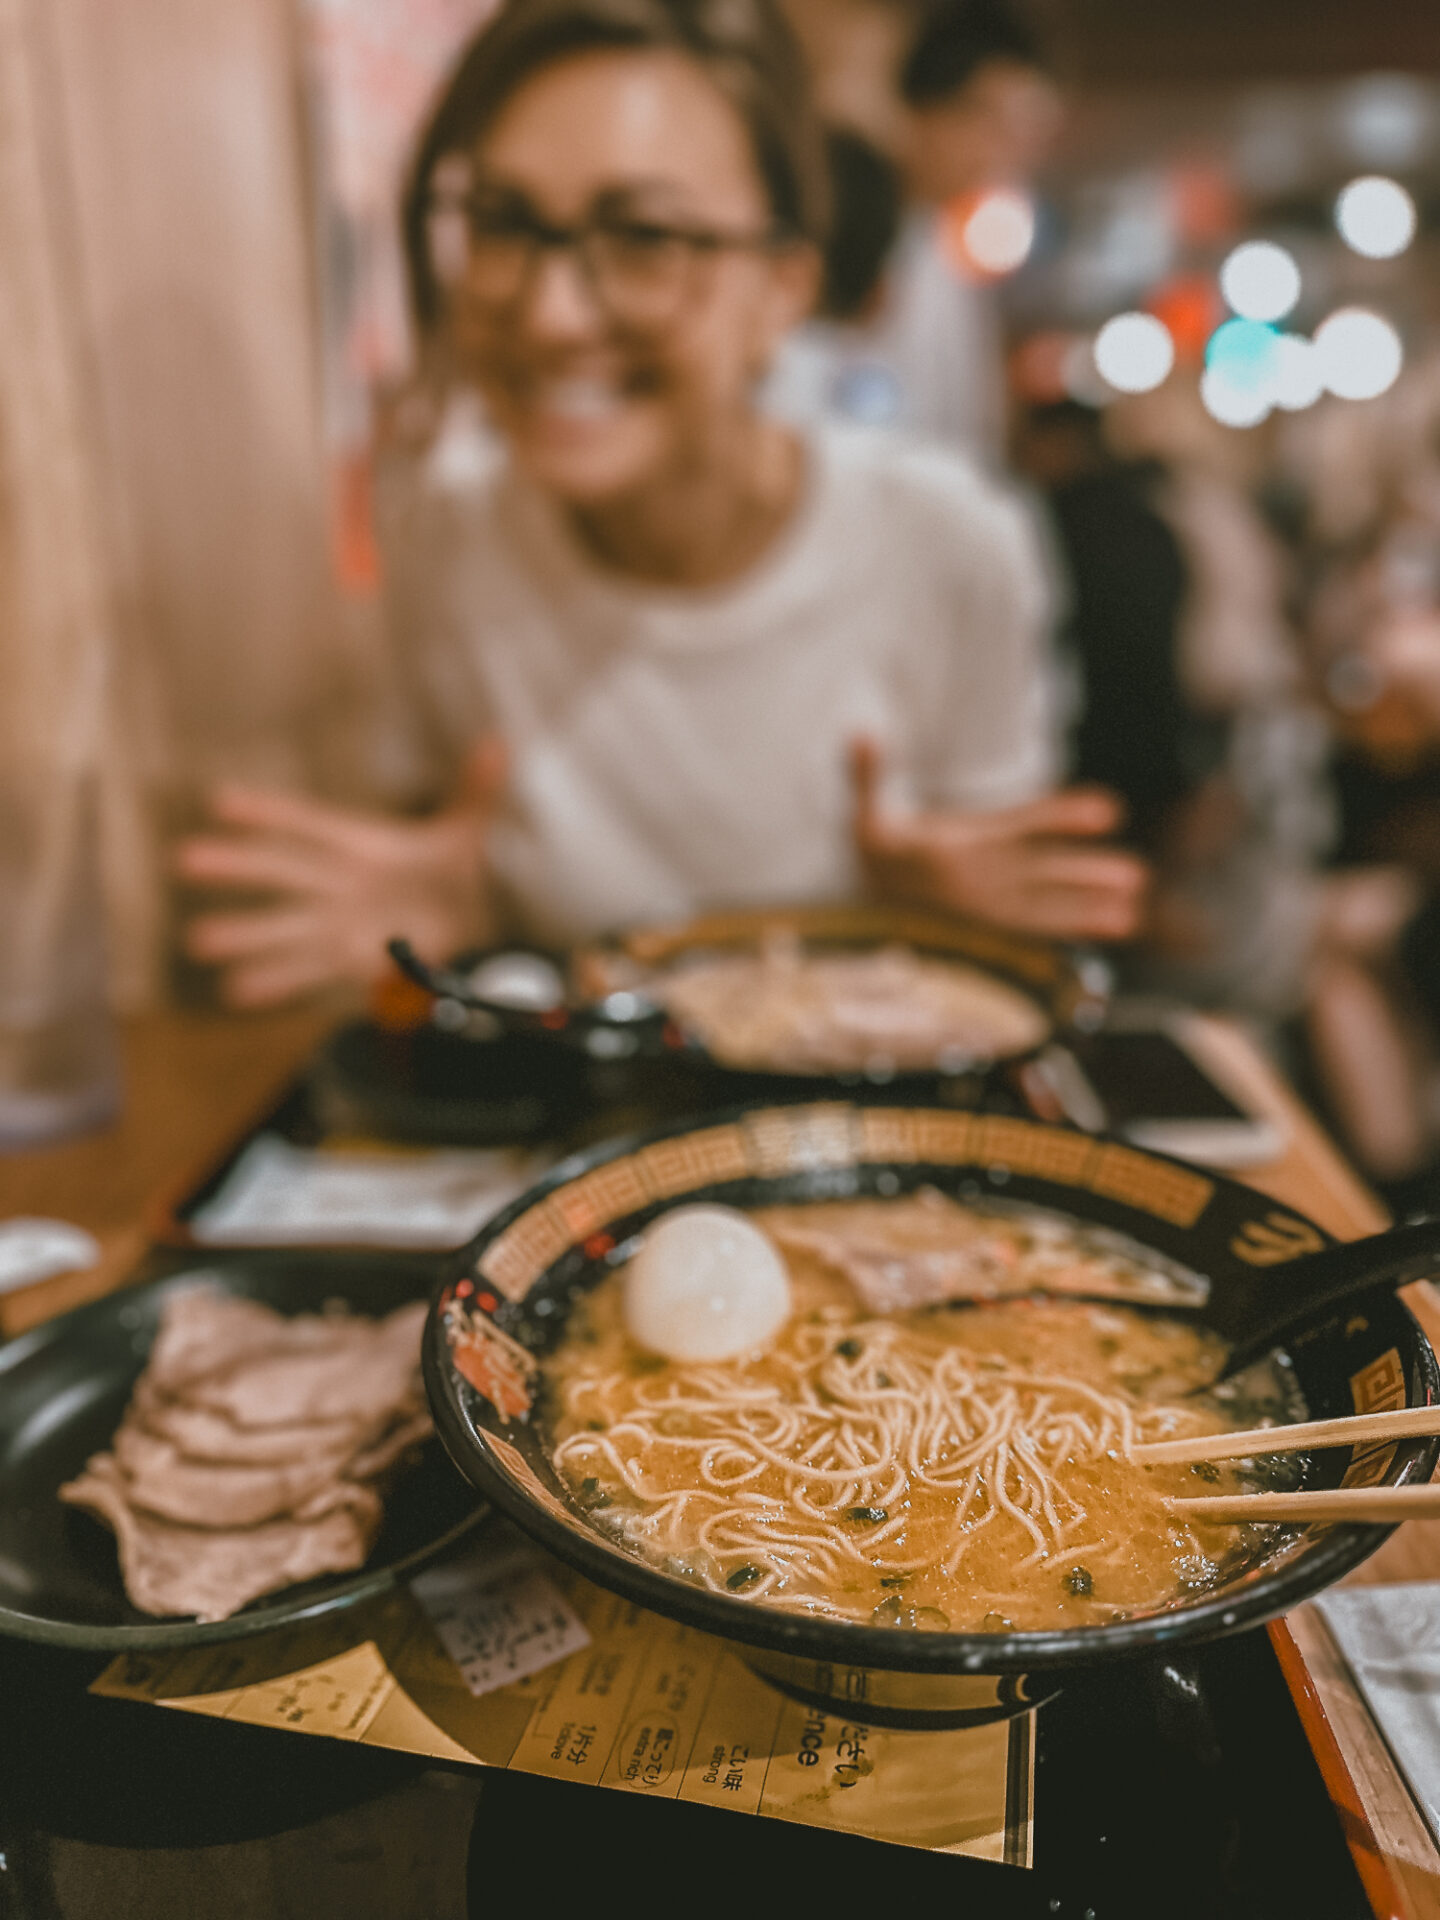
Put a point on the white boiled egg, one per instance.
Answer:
(706, 1284)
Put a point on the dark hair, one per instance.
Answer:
(867, 201)
(745, 46)
(957, 39)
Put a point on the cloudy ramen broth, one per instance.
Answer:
(960, 1467)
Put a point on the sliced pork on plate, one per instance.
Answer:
(254, 1450)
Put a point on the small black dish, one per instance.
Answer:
(522, 1274)
(429, 1087)
(63, 1389)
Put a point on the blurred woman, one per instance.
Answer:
(677, 655)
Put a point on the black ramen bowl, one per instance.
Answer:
(522, 1275)
(610, 1017)
(1068, 993)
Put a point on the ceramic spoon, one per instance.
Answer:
(1318, 1285)
(621, 1023)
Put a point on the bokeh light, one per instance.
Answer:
(1376, 217)
(1000, 232)
(1243, 353)
(1260, 281)
(1134, 352)
(1232, 405)
(1299, 379)
(1241, 367)
(1190, 309)
(1360, 354)
(988, 234)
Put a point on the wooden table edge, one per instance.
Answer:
(1376, 1863)
(1395, 1854)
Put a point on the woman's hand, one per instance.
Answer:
(1032, 868)
(347, 883)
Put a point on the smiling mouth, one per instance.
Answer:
(578, 400)
(582, 401)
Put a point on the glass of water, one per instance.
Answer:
(59, 1059)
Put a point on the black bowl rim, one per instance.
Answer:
(262, 1616)
(842, 1642)
(1070, 980)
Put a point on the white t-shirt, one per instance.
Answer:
(674, 750)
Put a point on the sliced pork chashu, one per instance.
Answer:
(360, 1368)
(248, 1456)
(206, 1493)
(202, 1434)
(213, 1572)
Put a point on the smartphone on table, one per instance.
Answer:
(1154, 1077)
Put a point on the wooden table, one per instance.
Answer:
(194, 1081)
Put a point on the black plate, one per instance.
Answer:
(523, 1272)
(63, 1389)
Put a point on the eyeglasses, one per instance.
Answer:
(641, 273)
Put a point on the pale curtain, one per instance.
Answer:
(163, 518)
(56, 606)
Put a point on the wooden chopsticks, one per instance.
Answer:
(1385, 1505)
(1405, 1423)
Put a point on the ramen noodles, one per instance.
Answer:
(954, 1466)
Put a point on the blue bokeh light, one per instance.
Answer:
(1245, 353)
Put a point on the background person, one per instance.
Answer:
(978, 111)
(1256, 908)
(829, 368)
